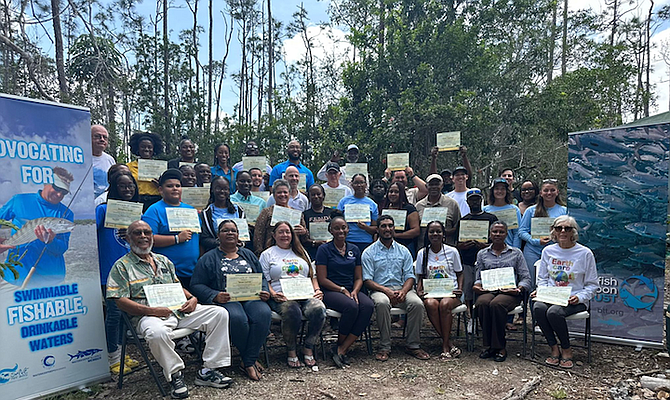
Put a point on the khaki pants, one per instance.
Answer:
(415, 310)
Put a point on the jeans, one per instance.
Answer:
(249, 324)
(291, 319)
(112, 323)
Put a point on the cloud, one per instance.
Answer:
(328, 45)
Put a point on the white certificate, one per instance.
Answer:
(242, 229)
(263, 195)
(540, 227)
(197, 197)
(399, 217)
(150, 169)
(170, 295)
(431, 214)
(558, 295)
(182, 219)
(508, 216)
(243, 287)
(397, 161)
(333, 196)
(438, 288)
(356, 168)
(254, 162)
(473, 230)
(290, 215)
(120, 213)
(250, 210)
(190, 164)
(447, 141)
(498, 278)
(319, 231)
(302, 183)
(357, 213)
(297, 288)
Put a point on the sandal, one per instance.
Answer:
(256, 376)
(455, 351)
(310, 361)
(418, 354)
(294, 362)
(565, 363)
(552, 360)
(510, 327)
(259, 366)
(382, 355)
(446, 357)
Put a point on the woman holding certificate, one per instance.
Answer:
(316, 217)
(529, 192)
(339, 271)
(440, 261)
(565, 264)
(220, 208)
(361, 213)
(549, 205)
(222, 165)
(212, 284)
(405, 215)
(145, 146)
(263, 231)
(500, 204)
(294, 291)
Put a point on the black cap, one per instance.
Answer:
(499, 180)
(332, 166)
(171, 173)
(459, 169)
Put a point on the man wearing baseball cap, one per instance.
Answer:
(333, 176)
(460, 178)
(435, 198)
(352, 157)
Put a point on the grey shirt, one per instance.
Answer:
(509, 257)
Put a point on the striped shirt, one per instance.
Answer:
(509, 257)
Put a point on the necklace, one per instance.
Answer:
(341, 250)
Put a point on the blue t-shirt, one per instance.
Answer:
(110, 246)
(279, 169)
(340, 268)
(222, 213)
(231, 176)
(512, 234)
(357, 234)
(183, 255)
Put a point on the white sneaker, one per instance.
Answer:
(114, 357)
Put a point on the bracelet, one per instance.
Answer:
(176, 239)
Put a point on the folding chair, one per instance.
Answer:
(582, 315)
(521, 309)
(366, 333)
(277, 318)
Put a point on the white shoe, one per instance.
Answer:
(114, 357)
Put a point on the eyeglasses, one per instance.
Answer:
(140, 232)
(130, 186)
(563, 228)
(550, 180)
(530, 189)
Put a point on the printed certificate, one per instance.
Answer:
(357, 213)
(243, 287)
(183, 219)
(297, 288)
(250, 210)
(259, 162)
(508, 216)
(448, 141)
(333, 196)
(498, 278)
(540, 227)
(289, 215)
(431, 214)
(397, 161)
(150, 169)
(170, 295)
(263, 195)
(197, 197)
(319, 231)
(473, 230)
(558, 295)
(243, 229)
(438, 288)
(120, 213)
(356, 168)
(302, 183)
(399, 217)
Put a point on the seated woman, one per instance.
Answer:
(287, 259)
(439, 260)
(220, 208)
(493, 306)
(339, 271)
(582, 278)
(251, 319)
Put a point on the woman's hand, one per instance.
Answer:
(479, 289)
(457, 292)
(545, 241)
(222, 298)
(573, 300)
(265, 296)
(279, 297)
(318, 294)
(361, 225)
(185, 236)
(533, 294)
(354, 296)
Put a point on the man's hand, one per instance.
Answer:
(545, 241)
(433, 151)
(409, 172)
(401, 296)
(189, 306)
(43, 234)
(161, 312)
(390, 294)
(462, 150)
(300, 230)
(573, 300)
(222, 298)
(336, 156)
(185, 236)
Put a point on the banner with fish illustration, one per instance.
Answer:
(51, 325)
(618, 193)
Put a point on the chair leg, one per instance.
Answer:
(587, 336)
(265, 351)
(368, 339)
(143, 352)
(532, 340)
(323, 345)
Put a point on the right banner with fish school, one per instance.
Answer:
(618, 193)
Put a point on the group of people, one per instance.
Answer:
(367, 264)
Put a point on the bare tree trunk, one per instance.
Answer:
(223, 69)
(564, 55)
(552, 45)
(271, 59)
(210, 69)
(60, 64)
(615, 18)
(166, 75)
(647, 93)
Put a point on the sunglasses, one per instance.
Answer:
(563, 228)
(550, 180)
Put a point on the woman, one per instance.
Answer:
(112, 245)
(287, 259)
(396, 199)
(222, 165)
(218, 209)
(251, 319)
(500, 199)
(549, 204)
(529, 192)
(378, 188)
(316, 213)
(188, 176)
(581, 277)
(439, 260)
(145, 146)
(360, 233)
(263, 229)
(204, 174)
(339, 271)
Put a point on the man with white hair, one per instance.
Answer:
(101, 160)
(126, 284)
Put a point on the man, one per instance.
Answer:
(181, 247)
(352, 157)
(296, 200)
(244, 198)
(203, 174)
(435, 198)
(101, 160)
(508, 175)
(334, 181)
(294, 152)
(448, 184)
(126, 286)
(388, 272)
(460, 178)
(186, 154)
(257, 182)
(250, 150)
(41, 261)
(414, 194)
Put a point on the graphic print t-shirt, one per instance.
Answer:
(278, 263)
(445, 264)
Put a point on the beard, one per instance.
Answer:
(140, 251)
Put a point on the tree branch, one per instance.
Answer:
(30, 63)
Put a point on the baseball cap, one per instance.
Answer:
(434, 176)
(332, 166)
(498, 180)
(473, 192)
(352, 146)
(459, 169)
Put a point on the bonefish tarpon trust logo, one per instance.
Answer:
(48, 362)
(9, 375)
(85, 355)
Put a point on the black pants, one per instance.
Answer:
(492, 310)
(551, 319)
(355, 316)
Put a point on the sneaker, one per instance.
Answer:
(131, 363)
(212, 378)
(179, 389)
(114, 357)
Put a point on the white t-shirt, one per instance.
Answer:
(347, 189)
(461, 200)
(298, 202)
(445, 264)
(574, 267)
(101, 165)
(278, 263)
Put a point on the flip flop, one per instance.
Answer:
(259, 366)
(256, 377)
(418, 354)
(446, 357)
(295, 361)
(310, 361)
(455, 351)
(382, 355)
(552, 360)
(565, 363)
